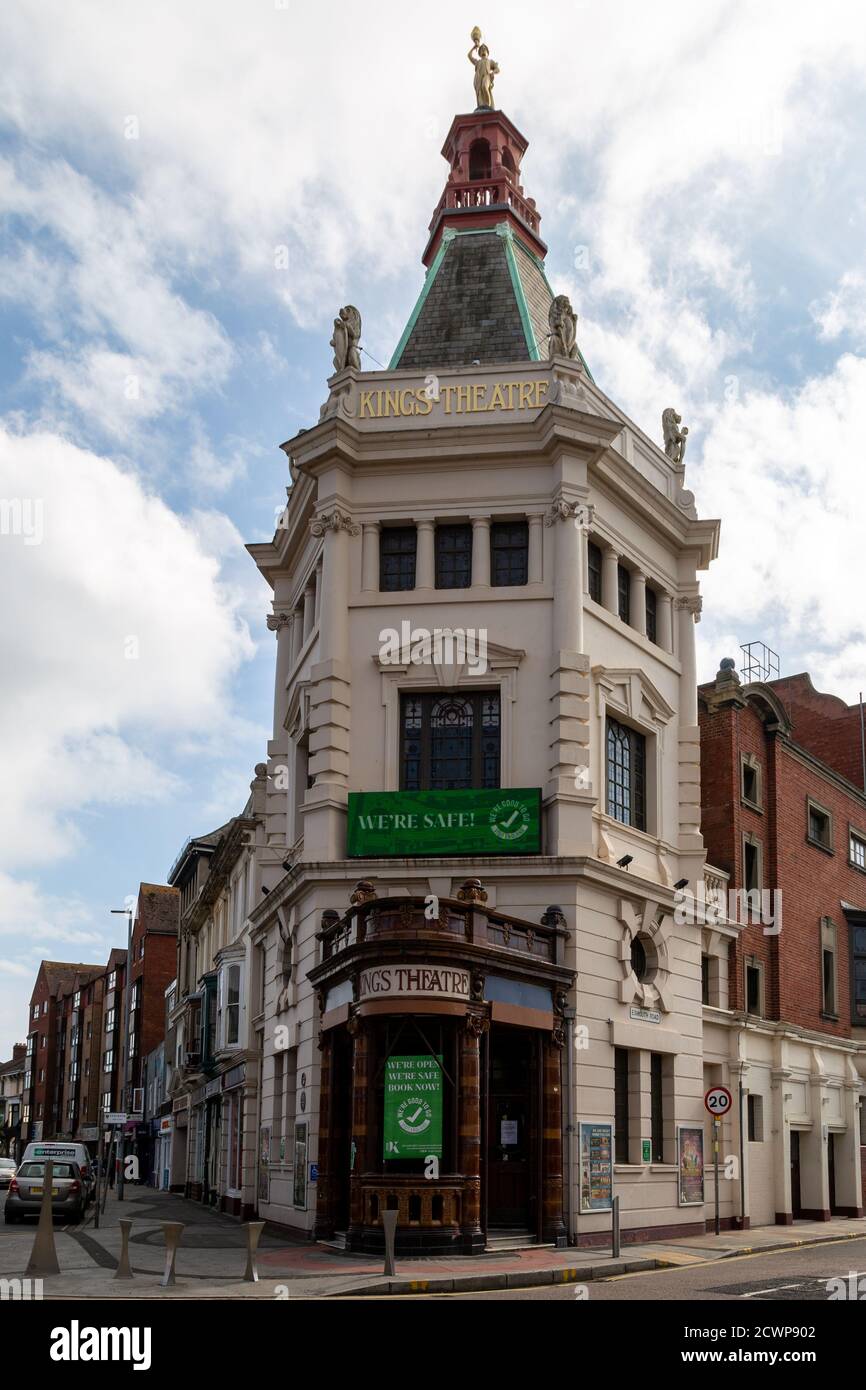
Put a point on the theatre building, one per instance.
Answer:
(483, 783)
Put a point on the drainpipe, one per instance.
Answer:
(570, 1014)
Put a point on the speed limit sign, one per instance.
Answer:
(718, 1100)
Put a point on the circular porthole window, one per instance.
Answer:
(644, 959)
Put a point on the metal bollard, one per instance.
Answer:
(172, 1230)
(43, 1256)
(254, 1235)
(124, 1270)
(389, 1226)
(615, 1234)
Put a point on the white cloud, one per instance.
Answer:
(123, 630)
(843, 310)
(784, 473)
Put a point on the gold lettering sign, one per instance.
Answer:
(474, 398)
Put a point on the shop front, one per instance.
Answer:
(442, 1059)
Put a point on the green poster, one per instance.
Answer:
(506, 820)
(413, 1108)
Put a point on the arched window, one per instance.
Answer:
(450, 741)
(508, 162)
(626, 775)
(479, 160)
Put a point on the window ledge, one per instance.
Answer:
(831, 1018)
(751, 805)
(664, 1168)
(861, 868)
(626, 1168)
(817, 844)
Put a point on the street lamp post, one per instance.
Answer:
(126, 1002)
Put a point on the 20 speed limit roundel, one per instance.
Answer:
(718, 1100)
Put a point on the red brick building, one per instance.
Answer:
(784, 814)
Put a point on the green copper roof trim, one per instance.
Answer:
(425, 290)
(579, 353)
(507, 235)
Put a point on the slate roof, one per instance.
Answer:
(470, 311)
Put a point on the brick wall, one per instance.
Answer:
(813, 881)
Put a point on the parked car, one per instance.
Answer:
(68, 1193)
(7, 1171)
(72, 1152)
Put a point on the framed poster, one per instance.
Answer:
(690, 1160)
(264, 1160)
(300, 1182)
(413, 1108)
(596, 1167)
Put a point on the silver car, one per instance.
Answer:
(68, 1195)
(8, 1168)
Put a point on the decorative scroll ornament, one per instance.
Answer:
(674, 437)
(562, 321)
(581, 513)
(347, 333)
(485, 71)
(334, 521)
(277, 621)
(692, 603)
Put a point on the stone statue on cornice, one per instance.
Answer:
(674, 437)
(563, 327)
(347, 334)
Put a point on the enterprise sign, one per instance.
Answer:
(416, 981)
(416, 824)
(380, 403)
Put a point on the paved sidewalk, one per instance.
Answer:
(212, 1257)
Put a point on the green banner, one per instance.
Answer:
(415, 824)
(413, 1108)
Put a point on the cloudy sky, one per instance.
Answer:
(189, 193)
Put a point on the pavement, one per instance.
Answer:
(212, 1258)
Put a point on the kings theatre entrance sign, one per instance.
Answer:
(413, 1108)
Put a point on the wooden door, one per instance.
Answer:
(512, 1130)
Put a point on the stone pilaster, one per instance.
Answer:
(688, 611)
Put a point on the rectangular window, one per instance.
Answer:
(858, 972)
(108, 1065)
(857, 850)
(753, 989)
(397, 550)
(112, 980)
(626, 775)
(593, 560)
(232, 1005)
(453, 557)
(656, 1107)
(651, 614)
(621, 1115)
(450, 741)
(705, 979)
(750, 785)
(109, 1020)
(509, 552)
(820, 826)
(623, 586)
(756, 1119)
(828, 967)
(35, 1010)
(751, 866)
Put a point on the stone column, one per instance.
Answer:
(309, 608)
(568, 791)
(469, 1130)
(370, 556)
(689, 612)
(552, 1224)
(536, 536)
(691, 843)
(425, 577)
(481, 552)
(283, 625)
(610, 579)
(664, 620)
(638, 601)
(360, 1124)
(326, 1187)
(319, 570)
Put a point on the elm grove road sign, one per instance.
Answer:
(410, 825)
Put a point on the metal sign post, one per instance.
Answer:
(717, 1101)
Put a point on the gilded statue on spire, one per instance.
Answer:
(485, 71)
